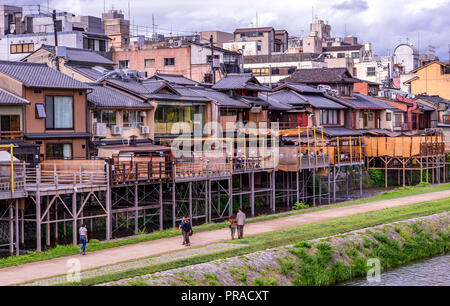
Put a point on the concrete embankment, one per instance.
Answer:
(323, 261)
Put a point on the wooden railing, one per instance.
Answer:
(6, 180)
(11, 135)
(124, 172)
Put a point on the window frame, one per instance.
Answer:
(127, 64)
(47, 117)
(371, 73)
(166, 61)
(61, 144)
(151, 60)
(139, 120)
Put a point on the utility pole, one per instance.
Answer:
(211, 40)
(56, 39)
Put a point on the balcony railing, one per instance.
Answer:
(11, 135)
(446, 119)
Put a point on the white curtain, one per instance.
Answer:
(63, 112)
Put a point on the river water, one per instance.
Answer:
(431, 272)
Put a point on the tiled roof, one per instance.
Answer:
(173, 79)
(289, 97)
(320, 75)
(221, 98)
(298, 87)
(340, 131)
(320, 101)
(434, 99)
(103, 97)
(256, 100)
(76, 55)
(7, 98)
(361, 101)
(87, 71)
(274, 103)
(39, 75)
(239, 81)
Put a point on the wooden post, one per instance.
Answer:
(136, 206)
(334, 183)
(361, 181)
(47, 226)
(252, 192)
(161, 208)
(108, 203)
(17, 226)
(314, 186)
(56, 224)
(190, 202)
(174, 217)
(22, 226)
(230, 192)
(273, 191)
(329, 186)
(11, 229)
(38, 209)
(74, 221)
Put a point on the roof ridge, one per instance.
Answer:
(22, 63)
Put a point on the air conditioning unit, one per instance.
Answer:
(100, 129)
(256, 109)
(145, 129)
(116, 130)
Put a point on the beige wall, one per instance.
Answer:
(431, 81)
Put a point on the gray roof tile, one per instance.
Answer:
(239, 81)
(221, 98)
(173, 79)
(103, 97)
(39, 75)
(7, 98)
(320, 75)
(76, 55)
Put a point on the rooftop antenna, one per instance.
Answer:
(312, 14)
(256, 18)
(345, 30)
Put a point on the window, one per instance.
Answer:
(341, 55)
(149, 63)
(275, 71)
(355, 54)
(125, 64)
(59, 112)
(58, 151)
(259, 47)
(371, 71)
(345, 91)
(260, 71)
(208, 78)
(397, 120)
(169, 61)
(105, 116)
(9, 123)
(132, 119)
(102, 45)
(21, 48)
(208, 58)
(388, 116)
(40, 111)
(329, 116)
(355, 72)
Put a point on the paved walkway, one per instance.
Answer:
(58, 266)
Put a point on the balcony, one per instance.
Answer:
(446, 119)
(6, 135)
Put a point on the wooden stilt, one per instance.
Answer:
(74, 221)
(11, 229)
(17, 226)
(161, 208)
(136, 209)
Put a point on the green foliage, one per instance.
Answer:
(293, 235)
(300, 205)
(376, 177)
(303, 244)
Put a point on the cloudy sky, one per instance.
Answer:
(384, 23)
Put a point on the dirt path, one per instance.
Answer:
(54, 267)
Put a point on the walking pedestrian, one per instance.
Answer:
(233, 225)
(240, 220)
(84, 239)
(186, 230)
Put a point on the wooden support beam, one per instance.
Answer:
(11, 229)
(47, 226)
(161, 208)
(252, 192)
(136, 211)
(174, 203)
(190, 202)
(17, 226)
(74, 221)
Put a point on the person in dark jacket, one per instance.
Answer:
(186, 229)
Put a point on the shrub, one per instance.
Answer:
(299, 206)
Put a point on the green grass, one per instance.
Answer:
(68, 250)
(286, 237)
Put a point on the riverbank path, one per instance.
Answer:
(44, 269)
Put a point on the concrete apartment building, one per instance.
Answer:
(117, 28)
(259, 41)
(190, 59)
(21, 34)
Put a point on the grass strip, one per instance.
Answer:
(286, 237)
(68, 250)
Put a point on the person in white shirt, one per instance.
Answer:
(84, 239)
